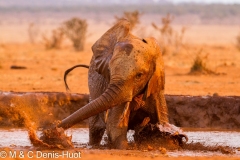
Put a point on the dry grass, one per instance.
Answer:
(132, 17)
(238, 42)
(170, 40)
(33, 33)
(55, 40)
(76, 29)
(199, 65)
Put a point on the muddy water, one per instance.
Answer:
(223, 138)
(18, 139)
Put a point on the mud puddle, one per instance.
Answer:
(18, 139)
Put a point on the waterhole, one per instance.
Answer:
(18, 139)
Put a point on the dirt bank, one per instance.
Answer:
(217, 112)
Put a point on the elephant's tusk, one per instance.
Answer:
(106, 116)
(139, 100)
(125, 116)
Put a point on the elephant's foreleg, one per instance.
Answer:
(117, 134)
(157, 109)
(97, 85)
(161, 108)
(96, 129)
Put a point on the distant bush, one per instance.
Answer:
(33, 33)
(170, 40)
(76, 29)
(238, 42)
(132, 17)
(55, 40)
(199, 65)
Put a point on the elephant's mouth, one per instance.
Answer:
(136, 103)
(139, 100)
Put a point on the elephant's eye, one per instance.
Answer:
(139, 75)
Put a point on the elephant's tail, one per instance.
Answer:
(69, 70)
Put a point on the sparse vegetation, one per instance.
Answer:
(199, 65)
(132, 17)
(33, 33)
(76, 29)
(238, 42)
(170, 40)
(0, 60)
(55, 40)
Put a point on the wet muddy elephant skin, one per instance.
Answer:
(126, 84)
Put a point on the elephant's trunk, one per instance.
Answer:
(108, 99)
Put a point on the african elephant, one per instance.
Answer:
(126, 84)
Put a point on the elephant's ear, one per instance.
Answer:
(104, 47)
(157, 80)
